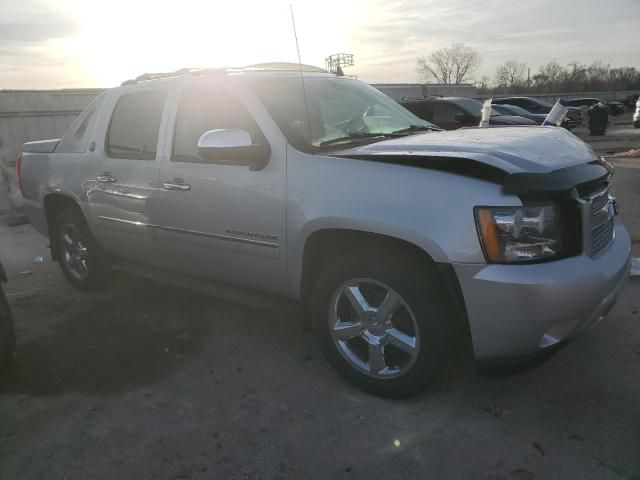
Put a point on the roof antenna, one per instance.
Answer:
(304, 90)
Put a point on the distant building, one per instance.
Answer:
(398, 91)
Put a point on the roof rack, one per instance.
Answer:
(178, 73)
(273, 67)
(285, 67)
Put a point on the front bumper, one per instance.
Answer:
(517, 310)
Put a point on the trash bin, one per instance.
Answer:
(598, 119)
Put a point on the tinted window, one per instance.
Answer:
(582, 101)
(514, 110)
(423, 110)
(76, 137)
(207, 108)
(519, 102)
(135, 124)
(445, 113)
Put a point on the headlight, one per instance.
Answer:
(520, 234)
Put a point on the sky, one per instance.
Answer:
(100, 43)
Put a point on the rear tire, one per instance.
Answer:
(393, 354)
(7, 334)
(77, 251)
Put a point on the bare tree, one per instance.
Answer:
(598, 70)
(510, 74)
(577, 73)
(482, 85)
(453, 64)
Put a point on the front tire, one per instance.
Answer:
(382, 321)
(77, 251)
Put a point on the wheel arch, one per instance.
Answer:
(324, 245)
(54, 204)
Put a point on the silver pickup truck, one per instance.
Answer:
(399, 238)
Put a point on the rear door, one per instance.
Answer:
(124, 189)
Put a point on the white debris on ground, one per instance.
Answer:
(635, 267)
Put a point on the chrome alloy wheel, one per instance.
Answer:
(74, 252)
(374, 328)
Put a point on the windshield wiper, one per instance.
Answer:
(417, 128)
(396, 133)
(355, 136)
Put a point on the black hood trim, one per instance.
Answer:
(556, 182)
(457, 165)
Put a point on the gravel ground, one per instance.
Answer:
(148, 381)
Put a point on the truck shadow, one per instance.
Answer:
(134, 335)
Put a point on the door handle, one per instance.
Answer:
(106, 177)
(177, 184)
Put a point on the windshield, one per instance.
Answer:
(339, 107)
(542, 102)
(511, 110)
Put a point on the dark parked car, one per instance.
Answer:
(452, 113)
(532, 105)
(630, 100)
(7, 334)
(520, 112)
(539, 118)
(615, 108)
(536, 105)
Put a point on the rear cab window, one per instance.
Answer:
(135, 125)
(76, 138)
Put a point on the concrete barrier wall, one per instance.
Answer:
(28, 115)
(554, 97)
(398, 91)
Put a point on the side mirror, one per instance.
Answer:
(460, 117)
(233, 147)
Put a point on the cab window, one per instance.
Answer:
(135, 125)
(207, 108)
(76, 138)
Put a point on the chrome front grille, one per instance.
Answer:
(598, 203)
(598, 220)
(601, 237)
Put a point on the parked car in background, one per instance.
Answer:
(539, 118)
(397, 237)
(538, 106)
(614, 108)
(631, 100)
(452, 113)
(530, 104)
(514, 110)
(7, 333)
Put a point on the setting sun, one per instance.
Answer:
(154, 37)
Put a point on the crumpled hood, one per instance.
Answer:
(530, 149)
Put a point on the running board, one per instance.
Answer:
(254, 298)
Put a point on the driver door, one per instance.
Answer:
(225, 221)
